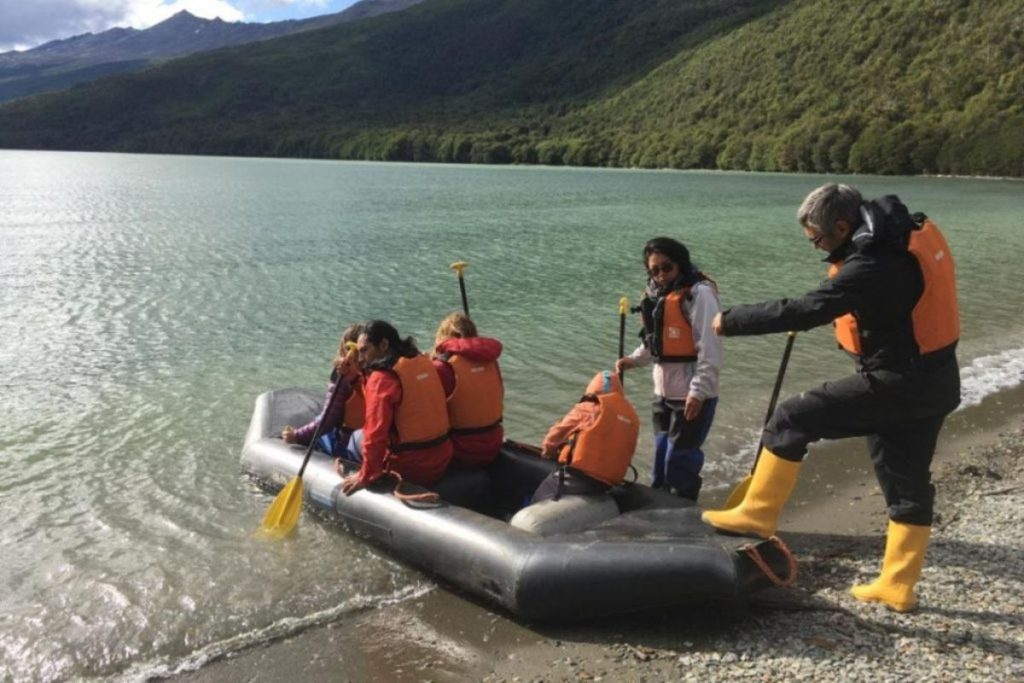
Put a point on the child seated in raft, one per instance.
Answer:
(405, 435)
(346, 413)
(468, 367)
(594, 444)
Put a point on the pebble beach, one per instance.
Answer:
(969, 625)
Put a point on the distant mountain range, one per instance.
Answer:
(61, 63)
(822, 86)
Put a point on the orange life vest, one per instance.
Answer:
(605, 449)
(669, 333)
(478, 400)
(355, 408)
(421, 419)
(936, 315)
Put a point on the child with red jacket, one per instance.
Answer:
(468, 367)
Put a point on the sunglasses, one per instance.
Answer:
(667, 268)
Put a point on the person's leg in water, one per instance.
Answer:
(684, 458)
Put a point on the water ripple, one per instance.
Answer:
(145, 302)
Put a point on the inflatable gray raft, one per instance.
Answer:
(655, 553)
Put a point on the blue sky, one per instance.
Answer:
(28, 23)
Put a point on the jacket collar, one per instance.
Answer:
(385, 363)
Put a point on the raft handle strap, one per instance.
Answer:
(755, 556)
(423, 497)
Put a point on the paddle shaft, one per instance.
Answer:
(790, 338)
(623, 309)
(622, 343)
(458, 267)
(462, 290)
(320, 426)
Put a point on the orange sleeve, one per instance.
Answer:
(581, 416)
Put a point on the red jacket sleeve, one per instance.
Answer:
(480, 349)
(447, 375)
(383, 392)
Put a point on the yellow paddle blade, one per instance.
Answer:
(623, 305)
(284, 511)
(738, 493)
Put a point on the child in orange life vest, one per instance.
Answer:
(468, 367)
(679, 306)
(595, 441)
(346, 412)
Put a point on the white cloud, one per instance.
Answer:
(257, 6)
(26, 23)
(145, 13)
(29, 22)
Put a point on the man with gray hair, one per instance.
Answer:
(891, 295)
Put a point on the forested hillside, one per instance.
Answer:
(897, 86)
(917, 86)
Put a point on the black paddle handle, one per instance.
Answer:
(791, 337)
(462, 290)
(622, 343)
(320, 426)
(623, 310)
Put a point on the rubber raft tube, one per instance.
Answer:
(654, 554)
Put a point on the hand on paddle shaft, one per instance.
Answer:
(458, 267)
(693, 404)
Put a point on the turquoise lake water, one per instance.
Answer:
(145, 301)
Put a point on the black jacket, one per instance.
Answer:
(879, 282)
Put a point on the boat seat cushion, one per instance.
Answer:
(568, 514)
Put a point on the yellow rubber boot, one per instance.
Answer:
(772, 482)
(905, 545)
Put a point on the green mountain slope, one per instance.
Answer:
(827, 85)
(814, 85)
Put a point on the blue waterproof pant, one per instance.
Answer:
(338, 443)
(354, 448)
(678, 458)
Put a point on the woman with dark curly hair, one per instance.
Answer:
(678, 307)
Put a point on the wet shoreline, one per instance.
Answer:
(835, 524)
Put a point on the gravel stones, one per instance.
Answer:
(969, 625)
